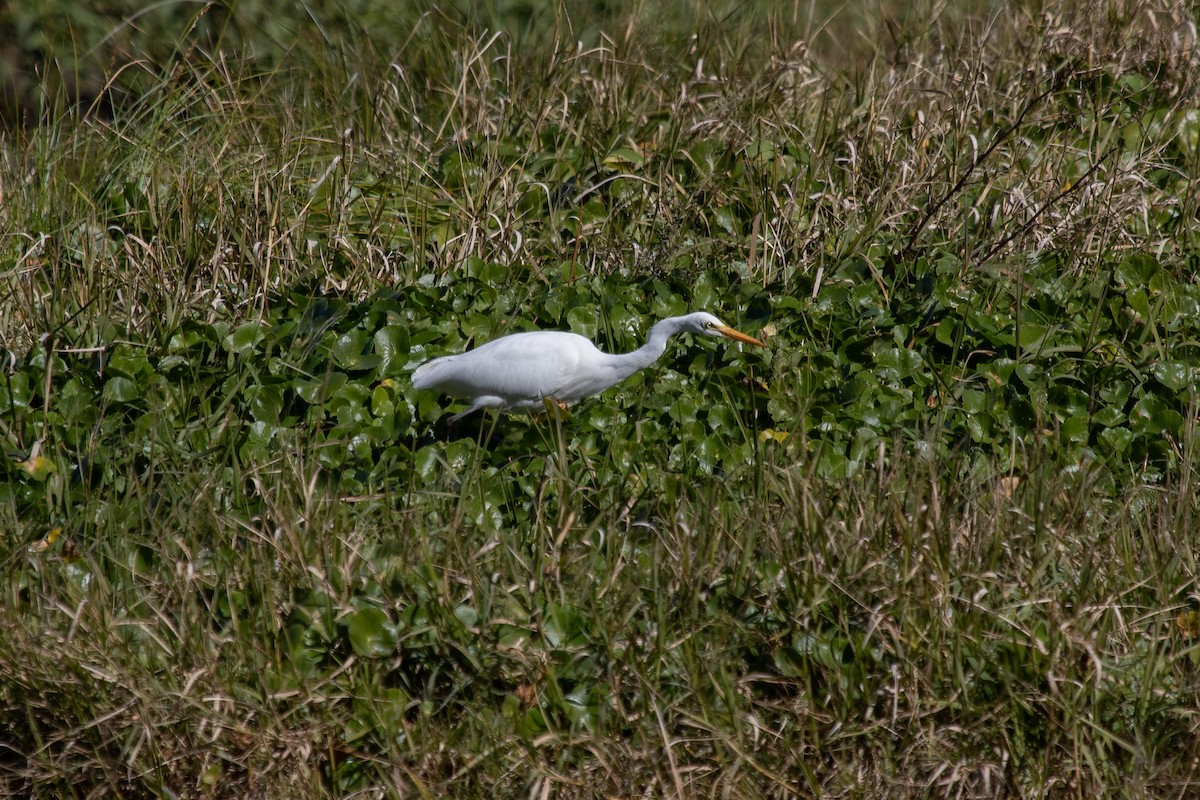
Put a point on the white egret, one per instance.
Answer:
(528, 370)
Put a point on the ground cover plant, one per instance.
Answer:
(937, 540)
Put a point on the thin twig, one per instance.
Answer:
(962, 180)
(1074, 187)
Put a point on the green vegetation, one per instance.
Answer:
(936, 541)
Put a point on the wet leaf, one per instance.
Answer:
(121, 390)
(1173, 374)
(245, 338)
(372, 634)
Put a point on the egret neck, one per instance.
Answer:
(625, 364)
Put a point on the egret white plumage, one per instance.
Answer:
(527, 370)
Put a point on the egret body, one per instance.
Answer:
(525, 370)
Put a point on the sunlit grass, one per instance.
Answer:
(936, 541)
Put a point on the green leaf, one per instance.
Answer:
(258, 439)
(245, 338)
(762, 150)
(425, 462)
(1032, 335)
(980, 427)
(1029, 374)
(903, 361)
(477, 326)
(1172, 374)
(132, 364)
(1151, 417)
(467, 615)
(624, 158)
(372, 633)
(1075, 429)
(533, 723)
(381, 402)
(1118, 439)
(120, 390)
(1022, 414)
(185, 340)
(76, 402)
(1189, 130)
(727, 221)
(561, 625)
(317, 391)
(1136, 270)
(582, 320)
(1109, 416)
(266, 402)
(349, 348)
(391, 345)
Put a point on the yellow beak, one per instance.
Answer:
(741, 337)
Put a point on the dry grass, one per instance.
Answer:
(958, 629)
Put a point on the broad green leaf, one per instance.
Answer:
(266, 402)
(120, 390)
(1173, 374)
(1075, 429)
(582, 320)
(132, 364)
(372, 634)
(1136, 270)
(37, 467)
(349, 348)
(727, 221)
(467, 615)
(561, 625)
(425, 462)
(1152, 417)
(15, 391)
(1022, 414)
(1030, 373)
(317, 391)
(1109, 416)
(1118, 439)
(904, 361)
(185, 341)
(624, 158)
(245, 338)
(391, 345)
(76, 402)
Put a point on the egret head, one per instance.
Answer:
(703, 322)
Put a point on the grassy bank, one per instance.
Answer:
(936, 540)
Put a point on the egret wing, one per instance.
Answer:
(520, 368)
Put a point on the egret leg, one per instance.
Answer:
(486, 401)
(491, 430)
(462, 414)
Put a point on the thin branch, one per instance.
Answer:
(962, 180)
(1074, 187)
